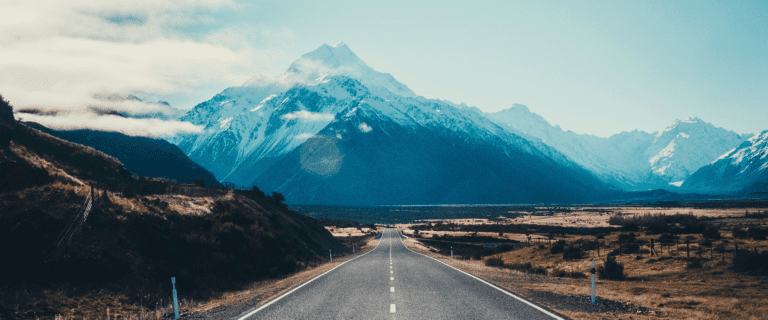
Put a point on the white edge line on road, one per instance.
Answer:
(304, 284)
(492, 285)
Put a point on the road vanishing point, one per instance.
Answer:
(393, 282)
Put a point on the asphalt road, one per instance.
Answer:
(392, 282)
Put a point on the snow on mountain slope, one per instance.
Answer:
(251, 129)
(735, 170)
(632, 160)
(687, 145)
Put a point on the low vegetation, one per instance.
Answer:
(137, 234)
(674, 265)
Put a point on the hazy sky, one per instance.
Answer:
(591, 67)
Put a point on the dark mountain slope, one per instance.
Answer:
(393, 164)
(141, 156)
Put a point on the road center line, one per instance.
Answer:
(392, 308)
(391, 289)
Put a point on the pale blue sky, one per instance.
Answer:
(597, 67)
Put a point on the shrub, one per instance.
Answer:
(611, 269)
(571, 252)
(627, 237)
(199, 182)
(6, 110)
(278, 197)
(256, 192)
(756, 232)
(658, 223)
(711, 232)
(570, 274)
(695, 264)
(6, 135)
(750, 262)
(667, 237)
(494, 262)
(557, 247)
(739, 232)
(128, 192)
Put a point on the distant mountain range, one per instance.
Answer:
(331, 130)
(634, 160)
(742, 169)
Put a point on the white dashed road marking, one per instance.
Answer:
(392, 308)
(392, 289)
(391, 278)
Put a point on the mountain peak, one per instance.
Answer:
(339, 55)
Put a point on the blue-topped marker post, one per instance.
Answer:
(451, 252)
(592, 271)
(330, 254)
(175, 299)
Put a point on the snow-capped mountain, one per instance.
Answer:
(734, 171)
(633, 160)
(333, 130)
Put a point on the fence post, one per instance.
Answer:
(175, 299)
(653, 253)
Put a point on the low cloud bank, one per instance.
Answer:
(130, 126)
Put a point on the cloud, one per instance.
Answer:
(308, 116)
(129, 126)
(364, 127)
(57, 54)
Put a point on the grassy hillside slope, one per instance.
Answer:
(137, 235)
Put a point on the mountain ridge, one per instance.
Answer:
(632, 160)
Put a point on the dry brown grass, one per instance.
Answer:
(347, 232)
(663, 286)
(39, 162)
(588, 217)
(257, 293)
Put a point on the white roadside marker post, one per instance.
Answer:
(593, 281)
(175, 299)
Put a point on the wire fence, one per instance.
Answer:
(677, 248)
(41, 260)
